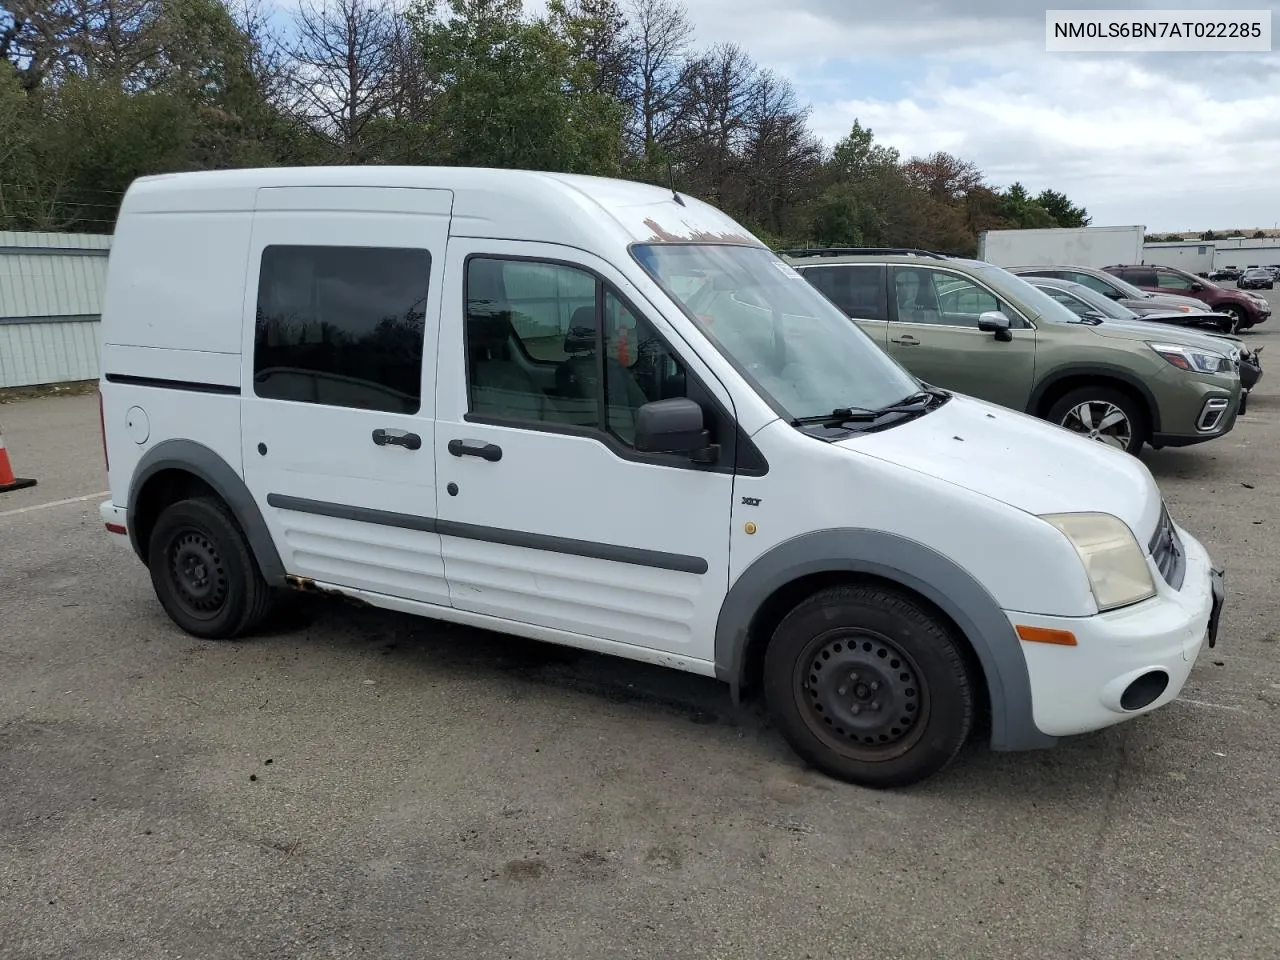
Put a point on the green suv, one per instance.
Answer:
(979, 330)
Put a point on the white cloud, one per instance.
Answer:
(1131, 145)
(1173, 141)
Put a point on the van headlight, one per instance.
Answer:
(1115, 564)
(1192, 359)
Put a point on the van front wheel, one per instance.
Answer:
(203, 571)
(868, 686)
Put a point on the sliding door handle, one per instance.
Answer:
(399, 438)
(907, 340)
(476, 448)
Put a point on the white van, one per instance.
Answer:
(601, 414)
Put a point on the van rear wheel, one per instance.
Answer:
(203, 571)
(869, 686)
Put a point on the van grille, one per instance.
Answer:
(1167, 551)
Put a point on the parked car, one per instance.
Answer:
(1226, 273)
(970, 326)
(1245, 309)
(1092, 307)
(1274, 270)
(597, 413)
(1140, 301)
(1256, 278)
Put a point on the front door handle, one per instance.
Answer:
(906, 340)
(399, 438)
(476, 448)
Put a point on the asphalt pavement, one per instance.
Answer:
(353, 783)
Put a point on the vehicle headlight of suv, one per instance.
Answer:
(1115, 564)
(1193, 359)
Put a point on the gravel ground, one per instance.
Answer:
(357, 783)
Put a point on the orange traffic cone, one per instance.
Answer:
(7, 480)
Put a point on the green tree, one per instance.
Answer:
(1063, 211)
(515, 93)
(1021, 212)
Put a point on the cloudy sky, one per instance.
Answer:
(1173, 141)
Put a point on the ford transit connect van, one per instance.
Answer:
(482, 396)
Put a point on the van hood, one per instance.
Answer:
(1020, 460)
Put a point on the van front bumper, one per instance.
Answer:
(1125, 662)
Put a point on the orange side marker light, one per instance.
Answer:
(1063, 638)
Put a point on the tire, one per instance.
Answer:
(905, 729)
(1099, 404)
(1237, 319)
(203, 571)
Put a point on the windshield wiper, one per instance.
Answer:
(924, 396)
(916, 403)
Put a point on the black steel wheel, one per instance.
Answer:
(203, 571)
(869, 686)
(863, 693)
(198, 574)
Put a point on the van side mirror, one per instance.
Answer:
(1113, 293)
(993, 321)
(674, 426)
(1197, 287)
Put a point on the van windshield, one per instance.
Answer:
(796, 347)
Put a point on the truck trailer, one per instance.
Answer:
(1065, 246)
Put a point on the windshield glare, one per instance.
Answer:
(1032, 298)
(796, 347)
(1096, 301)
(1128, 289)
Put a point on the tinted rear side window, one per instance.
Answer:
(858, 290)
(1139, 277)
(342, 326)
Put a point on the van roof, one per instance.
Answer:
(571, 209)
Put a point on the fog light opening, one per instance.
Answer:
(1212, 414)
(1144, 691)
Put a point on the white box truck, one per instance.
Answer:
(1067, 246)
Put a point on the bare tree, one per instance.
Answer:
(716, 102)
(659, 39)
(46, 39)
(603, 39)
(411, 91)
(345, 67)
(781, 156)
(269, 59)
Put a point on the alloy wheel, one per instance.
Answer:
(1102, 421)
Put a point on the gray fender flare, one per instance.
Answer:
(199, 461)
(918, 568)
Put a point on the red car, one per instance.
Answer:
(1245, 309)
